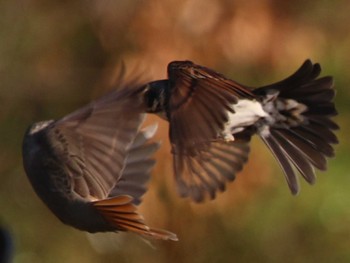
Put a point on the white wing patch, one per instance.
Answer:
(246, 113)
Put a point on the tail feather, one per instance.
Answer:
(322, 108)
(305, 74)
(314, 140)
(315, 86)
(122, 215)
(296, 154)
(310, 94)
(323, 132)
(307, 149)
(283, 161)
(324, 121)
(303, 136)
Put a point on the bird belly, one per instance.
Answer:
(81, 215)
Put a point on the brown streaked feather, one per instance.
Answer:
(138, 166)
(205, 108)
(121, 213)
(203, 173)
(96, 139)
(228, 87)
(208, 90)
(199, 103)
(120, 201)
(198, 111)
(187, 70)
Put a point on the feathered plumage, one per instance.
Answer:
(91, 167)
(212, 119)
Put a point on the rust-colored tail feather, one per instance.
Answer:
(121, 213)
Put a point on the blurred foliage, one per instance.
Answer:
(57, 55)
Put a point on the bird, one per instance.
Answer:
(91, 167)
(213, 118)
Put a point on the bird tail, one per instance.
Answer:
(299, 129)
(122, 214)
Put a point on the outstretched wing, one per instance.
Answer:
(138, 166)
(205, 157)
(120, 208)
(93, 141)
(199, 103)
(203, 174)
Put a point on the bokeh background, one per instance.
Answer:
(56, 55)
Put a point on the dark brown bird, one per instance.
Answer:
(212, 119)
(90, 167)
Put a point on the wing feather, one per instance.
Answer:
(198, 108)
(96, 139)
(204, 173)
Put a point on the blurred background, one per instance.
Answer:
(55, 56)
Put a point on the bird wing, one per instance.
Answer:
(203, 174)
(138, 166)
(120, 208)
(93, 141)
(199, 104)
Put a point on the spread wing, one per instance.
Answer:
(120, 209)
(199, 103)
(203, 174)
(93, 141)
(138, 166)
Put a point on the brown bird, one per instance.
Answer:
(91, 167)
(212, 119)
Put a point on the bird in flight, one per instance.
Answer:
(212, 119)
(91, 167)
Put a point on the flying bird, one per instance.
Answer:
(212, 119)
(91, 167)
